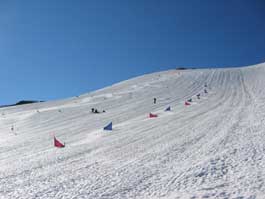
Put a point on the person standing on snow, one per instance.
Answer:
(154, 100)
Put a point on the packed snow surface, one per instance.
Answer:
(214, 148)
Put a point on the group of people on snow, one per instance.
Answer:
(94, 110)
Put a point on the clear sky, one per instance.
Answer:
(52, 49)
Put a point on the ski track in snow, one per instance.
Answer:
(211, 149)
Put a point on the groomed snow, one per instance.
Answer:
(214, 148)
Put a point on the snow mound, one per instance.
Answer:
(213, 148)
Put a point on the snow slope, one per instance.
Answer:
(214, 148)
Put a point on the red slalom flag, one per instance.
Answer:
(57, 143)
(187, 103)
(152, 115)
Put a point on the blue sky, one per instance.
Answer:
(54, 49)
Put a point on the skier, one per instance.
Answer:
(154, 100)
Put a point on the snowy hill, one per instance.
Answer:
(214, 148)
